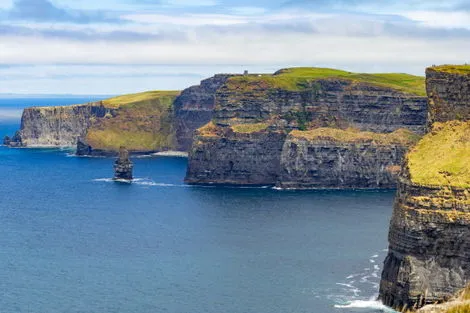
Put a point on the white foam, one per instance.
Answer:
(365, 304)
(178, 154)
(107, 180)
(375, 256)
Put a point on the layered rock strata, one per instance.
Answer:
(345, 159)
(145, 122)
(306, 99)
(429, 237)
(223, 156)
(57, 126)
(328, 102)
(448, 88)
(194, 108)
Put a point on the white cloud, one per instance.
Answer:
(257, 41)
(442, 19)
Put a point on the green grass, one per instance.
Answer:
(164, 97)
(302, 78)
(249, 128)
(453, 69)
(441, 158)
(400, 136)
(142, 123)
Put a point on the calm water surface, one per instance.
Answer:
(72, 241)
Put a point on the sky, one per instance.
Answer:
(124, 46)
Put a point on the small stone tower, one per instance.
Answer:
(123, 166)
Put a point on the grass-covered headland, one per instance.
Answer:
(142, 123)
(301, 78)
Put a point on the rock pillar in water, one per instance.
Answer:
(123, 166)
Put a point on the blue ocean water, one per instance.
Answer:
(73, 241)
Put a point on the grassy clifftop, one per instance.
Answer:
(297, 79)
(136, 99)
(442, 157)
(400, 136)
(142, 122)
(451, 69)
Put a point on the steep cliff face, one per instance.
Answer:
(224, 156)
(429, 252)
(448, 89)
(333, 100)
(194, 108)
(57, 126)
(333, 158)
(306, 99)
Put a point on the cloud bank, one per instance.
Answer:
(50, 41)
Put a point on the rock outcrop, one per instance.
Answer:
(194, 109)
(254, 113)
(429, 237)
(123, 166)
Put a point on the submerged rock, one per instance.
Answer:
(123, 166)
(14, 141)
(6, 140)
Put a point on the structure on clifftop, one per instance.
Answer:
(429, 237)
(123, 166)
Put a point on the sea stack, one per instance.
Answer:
(123, 166)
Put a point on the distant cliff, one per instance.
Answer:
(255, 113)
(58, 126)
(144, 122)
(429, 253)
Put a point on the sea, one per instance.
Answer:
(72, 240)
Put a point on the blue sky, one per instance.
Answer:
(121, 46)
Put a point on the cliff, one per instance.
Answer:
(141, 122)
(315, 97)
(57, 126)
(334, 158)
(256, 112)
(144, 122)
(429, 237)
(448, 88)
(227, 156)
(194, 108)
(429, 252)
